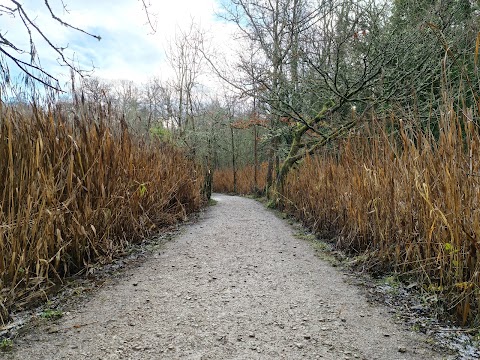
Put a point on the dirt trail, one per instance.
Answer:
(235, 285)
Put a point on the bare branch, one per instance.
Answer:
(47, 4)
(152, 24)
(25, 68)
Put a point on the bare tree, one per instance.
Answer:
(158, 104)
(152, 101)
(270, 29)
(94, 90)
(91, 96)
(313, 61)
(128, 98)
(185, 59)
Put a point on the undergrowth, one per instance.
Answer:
(406, 198)
(223, 180)
(401, 199)
(78, 190)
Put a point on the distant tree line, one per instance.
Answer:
(306, 72)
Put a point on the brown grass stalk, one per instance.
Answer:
(401, 195)
(410, 199)
(78, 192)
(223, 180)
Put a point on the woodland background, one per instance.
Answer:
(359, 118)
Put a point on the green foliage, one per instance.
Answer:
(448, 247)
(160, 133)
(272, 204)
(142, 189)
(432, 47)
(393, 283)
(51, 314)
(6, 345)
(212, 202)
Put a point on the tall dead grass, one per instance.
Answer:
(407, 199)
(223, 180)
(77, 192)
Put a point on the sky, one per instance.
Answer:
(128, 49)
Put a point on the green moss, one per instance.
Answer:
(212, 202)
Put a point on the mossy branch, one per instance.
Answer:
(295, 154)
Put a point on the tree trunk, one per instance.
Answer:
(269, 171)
(296, 154)
(208, 180)
(233, 162)
(255, 156)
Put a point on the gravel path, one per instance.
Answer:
(235, 285)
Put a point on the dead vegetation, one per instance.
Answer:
(77, 192)
(245, 177)
(405, 197)
(402, 196)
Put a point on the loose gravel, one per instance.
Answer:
(235, 285)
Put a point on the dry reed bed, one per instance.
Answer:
(77, 192)
(409, 201)
(223, 180)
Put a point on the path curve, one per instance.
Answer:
(235, 285)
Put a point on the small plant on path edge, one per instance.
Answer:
(6, 345)
(51, 314)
